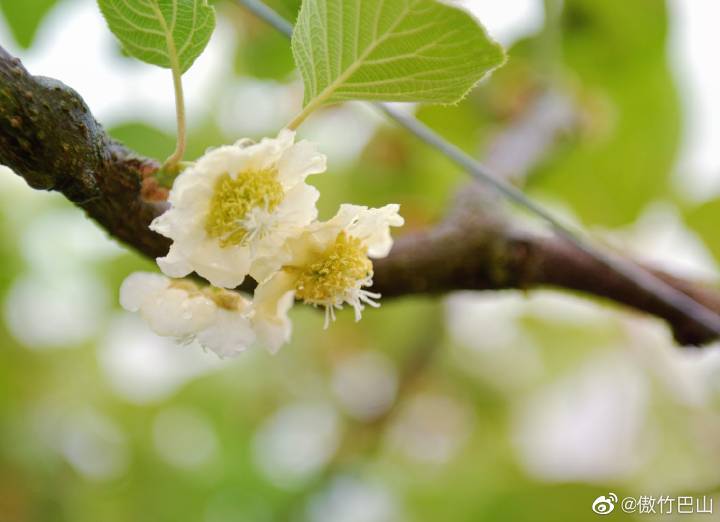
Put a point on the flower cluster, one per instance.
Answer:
(245, 210)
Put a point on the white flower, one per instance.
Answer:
(271, 304)
(232, 211)
(329, 266)
(217, 318)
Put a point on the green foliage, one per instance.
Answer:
(420, 50)
(615, 73)
(631, 118)
(25, 17)
(168, 33)
(615, 68)
(703, 220)
(144, 139)
(289, 9)
(266, 55)
(153, 142)
(396, 167)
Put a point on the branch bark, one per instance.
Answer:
(482, 252)
(49, 137)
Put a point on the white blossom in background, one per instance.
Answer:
(432, 428)
(88, 439)
(143, 368)
(296, 442)
(93, 445)
(218, 319)
(329, 265)
(184, 438)
(64, 311)
(365, 385)
(232, 211)
(59, 294)
(349, 499)
(587, 426)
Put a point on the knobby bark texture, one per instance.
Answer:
(49, 137)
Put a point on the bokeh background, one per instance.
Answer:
(474, 407)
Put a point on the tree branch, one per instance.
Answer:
(49, 137)
(478, 250)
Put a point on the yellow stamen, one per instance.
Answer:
(342, 267)
(233, 198)
(226, 299)
(188, 286)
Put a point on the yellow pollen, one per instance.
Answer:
(234, 198)
(226, 299)
(188, 286)
(340, 268)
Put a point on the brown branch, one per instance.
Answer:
(479, 253)
(49, 137)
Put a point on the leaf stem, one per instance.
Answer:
(302, 116)
(172, 163)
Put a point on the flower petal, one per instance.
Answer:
(267, 153)
(173, 313)
(223, 267)
(273, 299)
(300, 161)
(298, 208)
(229, 335)
(373, 227)
(137, 287)
(174, 264)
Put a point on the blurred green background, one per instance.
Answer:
(475, 407)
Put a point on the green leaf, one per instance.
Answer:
(168, 33)
(390, 50)
(25, 17)
(630, 109)
(703, 220)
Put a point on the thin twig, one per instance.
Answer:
(514, 152)
(633, 273)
